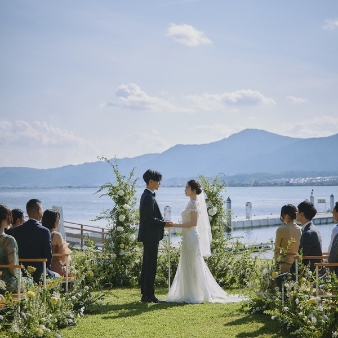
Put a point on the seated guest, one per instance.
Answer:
(51, 220)
(17, 219)
(310, 241)
(34, 240)
(333, 258)
(8, 251)
(287, 238)
(335, 229)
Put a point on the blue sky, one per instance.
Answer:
(81, 79)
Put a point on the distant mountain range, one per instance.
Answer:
(249, 157)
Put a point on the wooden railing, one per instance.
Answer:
(82, 231)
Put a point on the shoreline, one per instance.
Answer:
(237, 185)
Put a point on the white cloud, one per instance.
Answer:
(296, 100)
(187, 35)
(108, 104)
(36, 134)
(238, 98)
(316, 127)
(331, 24)
(132, 97)
(23, 143)
(148, 142)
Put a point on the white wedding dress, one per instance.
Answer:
(193, 282)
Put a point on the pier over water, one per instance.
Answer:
(274, 220)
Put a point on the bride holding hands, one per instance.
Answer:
(193, 282)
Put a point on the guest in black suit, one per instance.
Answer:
(151, 231)
(33, 239)
(310, 241)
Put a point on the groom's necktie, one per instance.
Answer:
(154, 194)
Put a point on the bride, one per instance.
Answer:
(193, 282)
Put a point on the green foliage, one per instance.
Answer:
(121, 252)
(302, 314)
(42, 312)
(162, 274)
(228, 254)
(219, 218)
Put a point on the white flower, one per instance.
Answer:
(122, 218)
(285, 308)
(209, 204)
(119, 228)
(120, 192)
(265, 271)
(126, 206)
(122, 253)
(313, 319)
(132, 237)
(212, 211)
(273, 317)
(113, 256)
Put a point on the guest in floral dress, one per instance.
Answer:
(8, 251)
(51, 220)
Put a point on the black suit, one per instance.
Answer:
(34, 241)
(310, 245)
(151, 231)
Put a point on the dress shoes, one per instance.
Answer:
(151, 299)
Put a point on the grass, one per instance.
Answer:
(123, 315)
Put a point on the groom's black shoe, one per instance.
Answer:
(151, 299)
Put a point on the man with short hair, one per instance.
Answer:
(33, 239)
(151, 231)
(311, 240)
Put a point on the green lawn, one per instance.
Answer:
(123, 315)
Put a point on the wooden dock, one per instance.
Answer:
(274, 220)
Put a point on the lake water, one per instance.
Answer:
(81, 205)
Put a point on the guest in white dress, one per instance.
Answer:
(193, 282)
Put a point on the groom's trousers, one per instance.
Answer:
(149, 266)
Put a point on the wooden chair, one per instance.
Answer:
(324, 256)
(16, 296)
(318, 265)
(297, 257)
(37, 260)
(66, 279)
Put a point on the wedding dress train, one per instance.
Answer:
(193, 282)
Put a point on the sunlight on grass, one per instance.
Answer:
(123, 315)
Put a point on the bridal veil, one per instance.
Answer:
(203, 226)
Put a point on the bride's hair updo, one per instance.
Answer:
(194, 185)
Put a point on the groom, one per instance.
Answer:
(151, 231)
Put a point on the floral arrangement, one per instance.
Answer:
(121, 252)
(42, 312)
(228, 253)
(301, 312)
